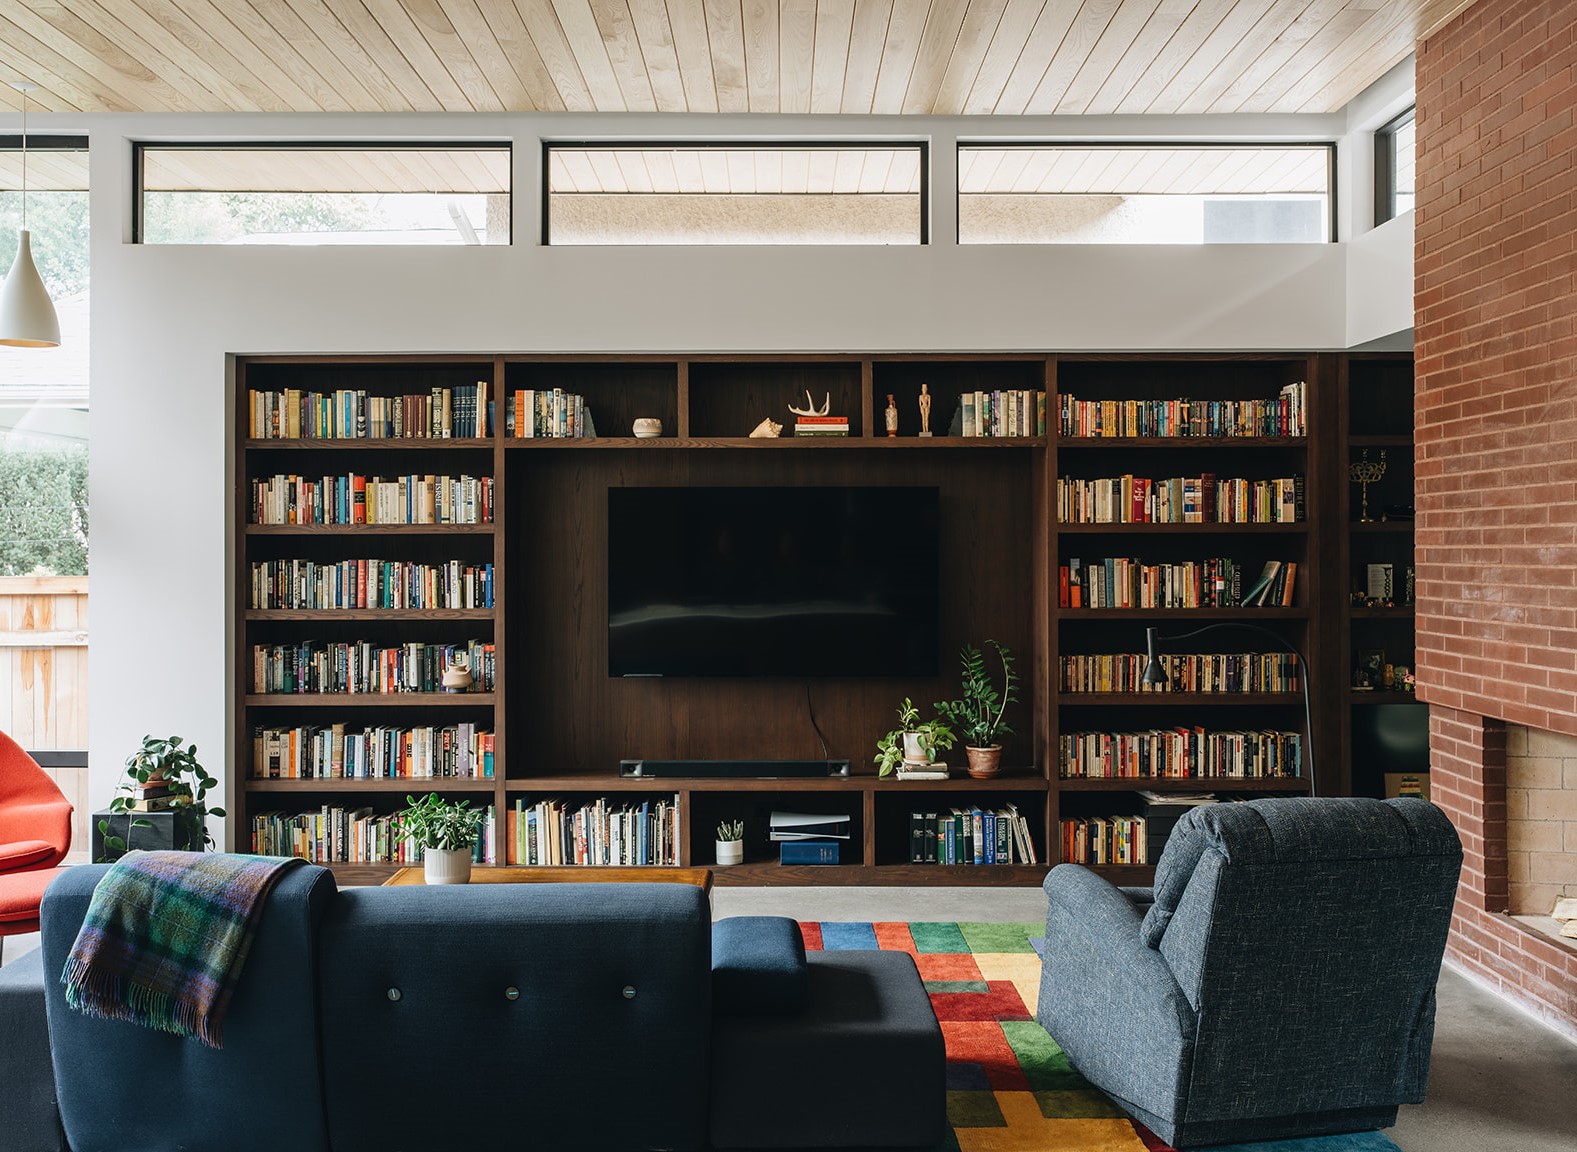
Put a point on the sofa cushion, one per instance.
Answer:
(576, 1016)
(758, 966)
(863, 1066)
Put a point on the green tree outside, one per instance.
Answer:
(44, 512)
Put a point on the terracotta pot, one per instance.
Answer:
(984, 763)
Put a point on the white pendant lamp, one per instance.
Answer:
(27, 315)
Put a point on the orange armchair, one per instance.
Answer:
(35, 835)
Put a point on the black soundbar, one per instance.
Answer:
(743, 769)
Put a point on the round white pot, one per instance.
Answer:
(446, 865)
(915, 750)
(730, 852)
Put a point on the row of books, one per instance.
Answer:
(1104, 840)
(357, 499)
(1282, 415)
(313, 666)
(1203, 499)
(547, 413)
(351, 414)
(971, 836)
(335, 835)
(821, 426)
(334, 752)
(552, 832)
(370, 583)
(1216, 582)
(1179, 753)
(997, 413)
(1206, 672)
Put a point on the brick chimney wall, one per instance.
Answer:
(1496, 351)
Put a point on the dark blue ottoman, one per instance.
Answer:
(859, 1061)
(29, 1116)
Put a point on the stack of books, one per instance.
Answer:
(821, 426)
(808, 839)
(154, 796)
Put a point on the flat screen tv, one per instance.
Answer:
(786, 582)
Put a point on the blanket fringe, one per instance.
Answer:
(105, 995)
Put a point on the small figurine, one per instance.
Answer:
(766, 430)
(925, 410)
(892, 416)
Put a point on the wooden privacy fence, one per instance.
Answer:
(44, 678)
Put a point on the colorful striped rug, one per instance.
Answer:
(1009, 1087)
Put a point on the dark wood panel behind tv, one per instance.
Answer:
(567, 715)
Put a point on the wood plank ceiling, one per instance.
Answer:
(940, 57)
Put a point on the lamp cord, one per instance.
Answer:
(811, 709)
(24, 158)
(1303, 676)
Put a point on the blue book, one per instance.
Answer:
(808, 852)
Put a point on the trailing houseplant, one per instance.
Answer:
(161, 775)
(914, 741)
(446, 832)
(979, 713)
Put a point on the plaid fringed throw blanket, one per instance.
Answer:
(165, 936)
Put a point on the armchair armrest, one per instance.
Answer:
(17, 854)
(1107, 998)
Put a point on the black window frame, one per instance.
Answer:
(138, 147)
(923, 147)
(1385, 164)
(1128, 145)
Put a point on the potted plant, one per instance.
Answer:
(161, 776)
(446, 832)
(730, 843)
(913, 742)
(979, 713)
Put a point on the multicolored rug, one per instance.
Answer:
(1009, 1087)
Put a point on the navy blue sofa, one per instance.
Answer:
(543, 1016)
(1278, 981)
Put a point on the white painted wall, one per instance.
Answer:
(166, 318)
(1380, 281)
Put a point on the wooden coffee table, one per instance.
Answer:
(584, 874)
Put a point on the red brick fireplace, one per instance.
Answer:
(1496, 346)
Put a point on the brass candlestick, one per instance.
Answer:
(1364, 472)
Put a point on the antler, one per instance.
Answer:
(810, 408)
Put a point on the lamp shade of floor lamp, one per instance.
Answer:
(1155, 674)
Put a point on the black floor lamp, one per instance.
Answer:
(1155, 674)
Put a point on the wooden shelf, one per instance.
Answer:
(655, 443)
(1380, 526)
(354, 444)
(1399, 612)
(1182, 442)
(369, 700)
(368, 530)
(369, 614)
(1190, 784)
(1204, 615)
(1125, 875)
(1381, 696)
(1023, 781)
(753, 872)
(1381, 441)
(1147, 528)
(358, 784)
(1131, 699)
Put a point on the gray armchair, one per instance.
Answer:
(1280, 984)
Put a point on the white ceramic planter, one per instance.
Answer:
(914, 749)
(446, 865)
(730, 852)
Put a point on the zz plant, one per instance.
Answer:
(978, 713)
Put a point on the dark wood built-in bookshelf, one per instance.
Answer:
(560, 724)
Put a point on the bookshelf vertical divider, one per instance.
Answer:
(560, 724)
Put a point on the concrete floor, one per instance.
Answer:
(1500, 1081)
